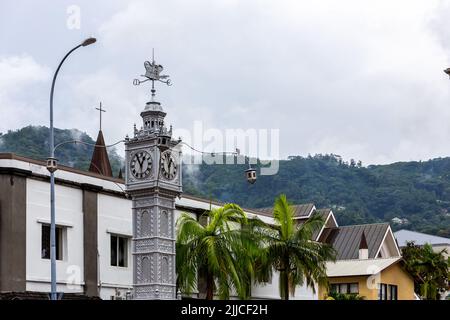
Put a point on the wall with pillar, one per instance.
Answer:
(12, 229)
(114, 218)
(69, 215)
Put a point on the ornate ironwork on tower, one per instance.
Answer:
(153, 73)
(153, 179)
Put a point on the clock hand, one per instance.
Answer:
(141, 162)
(166, 166)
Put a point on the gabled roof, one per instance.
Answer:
(100, 160)
(364, 267)
(325, 214)
(363, 242)
(419, 238)
(346, 239)
(300, 210)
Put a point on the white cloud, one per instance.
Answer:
(358, 78)
(21, 77)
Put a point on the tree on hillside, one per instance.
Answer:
(429, 269)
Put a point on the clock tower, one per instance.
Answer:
(153, 180)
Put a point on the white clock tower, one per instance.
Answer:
(153, 179)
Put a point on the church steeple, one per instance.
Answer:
(100, 160)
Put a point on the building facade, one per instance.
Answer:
(95, 230)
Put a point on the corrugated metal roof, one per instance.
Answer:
(300, 210)
(343, 268)
(345, 240)
(419, 238)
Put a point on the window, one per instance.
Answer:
(382, 291)
(345, 288)
(45, 242)
(393, 290)
(354, 288)
(119, 251)
(388, 292)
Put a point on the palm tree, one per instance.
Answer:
(429, 269)
(288, 248)
(220, 250)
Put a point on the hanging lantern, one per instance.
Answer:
(52, 164)
(447, 71)
(250, 173)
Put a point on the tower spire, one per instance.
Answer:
(100, 161)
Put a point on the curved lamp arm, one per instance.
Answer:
(52, 90)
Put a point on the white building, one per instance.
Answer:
(94, 230)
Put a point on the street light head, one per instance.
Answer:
(250, 174)
(88, 41)
(447, 71)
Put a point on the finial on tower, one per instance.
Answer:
(153, 73)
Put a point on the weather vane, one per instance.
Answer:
(153, 73)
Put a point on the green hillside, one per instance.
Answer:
(33, 142)
(416, 191)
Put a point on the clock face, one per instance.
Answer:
(168, 165)
(141, 165)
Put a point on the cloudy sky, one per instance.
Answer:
(362, 79)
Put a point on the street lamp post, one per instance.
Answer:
(52, 167)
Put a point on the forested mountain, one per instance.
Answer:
(418, 192)
(33, 142)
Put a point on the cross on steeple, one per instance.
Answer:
(100, 111)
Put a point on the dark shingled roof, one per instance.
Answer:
(300, 210)
(346, 240)
(100, 160)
